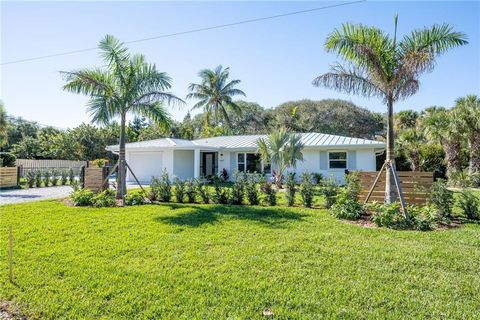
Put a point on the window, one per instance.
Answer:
(251, 162)
(337, 160)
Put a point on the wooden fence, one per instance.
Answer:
(415, 186)
(8, 177)
(93, 178)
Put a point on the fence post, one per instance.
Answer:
(104, 177)
(81, 177)
(19, 174)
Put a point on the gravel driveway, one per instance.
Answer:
(33, 194)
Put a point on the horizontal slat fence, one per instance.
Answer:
(47, 164)
(8, 177)
(415, 186)
(94, 177)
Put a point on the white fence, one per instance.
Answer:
(33, 164)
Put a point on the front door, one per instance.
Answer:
(208, 167)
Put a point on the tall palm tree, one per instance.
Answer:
(3, 126)
(387, 68)
(467, 112)
(216, 94)
(126, 85)
(439, 125)
(282, 149)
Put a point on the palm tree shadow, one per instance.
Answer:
(196, 215)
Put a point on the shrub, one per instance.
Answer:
(277, 178)
(82, 197)
(203, 192)
(459, 179)
(55, 174)
(290, 186)
(469, 204)
(238, 188)
(220, 195)
(46, 177)
(99, 163)
(317, 178)
(179, 189)
(38, 178)
(190, 190)
(134, 199)
(390, 216)
(161, 187)
(346, 207)
(63, 177)
(270, 194)
(306, 189)
(7, 159)
(224, 175)
(30, 178)
(251, 190)
(71, 176)
(329, 190)
(352, 184)
(441, 198)
(105, 198)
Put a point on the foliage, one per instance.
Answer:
(224, 175)
(106, 198)
(269, 192)
(82, 197)
(290, 189)
(38, 178)
(63, 177)
(203, 192)
(251, 190)
(330, 190)
(71, 176)
(30, 178)
(179, 189)
(390, 216)
(7, 159)
(441, 198)
(3, 126)
(306, 189)
(346, 207)
(317, 178)
(55, 175)
(190, 190)
(134, 199)
(99, 163)
(238, 188)
(161, 188)
(220, 194)
(47, 177)
(469, 205)
(352, 184)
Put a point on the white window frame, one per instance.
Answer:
(245, 162)
(346, 160)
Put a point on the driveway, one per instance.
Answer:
(33, 194)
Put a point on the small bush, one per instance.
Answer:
(100, 163)
(38, 178)
(291, 190)
(30, 178)
(47, 177)
(317, 178)
(251, 190)
(161, 188)
(82, 197)
(441, 198)
(134, 199)
(71, 176)
(7, 159)
(346, 207)
(220, 194)
(238, 188)
(329, 190)
(203, 192)
(105, 198)
(63, 177)
(390, 216)
(269, 192)
(224, 175)
(55, 179)
(306, 189)
(352, 184)
(469, 204)
(179, 189)
(190, 190)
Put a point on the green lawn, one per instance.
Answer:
(218, 262)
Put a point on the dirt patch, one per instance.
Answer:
(10, 311)
(364, 221)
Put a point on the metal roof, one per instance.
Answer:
(310, 140)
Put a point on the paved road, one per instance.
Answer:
(33, 194)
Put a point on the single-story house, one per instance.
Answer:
(327, 154)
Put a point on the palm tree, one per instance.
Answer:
(467, 112)
(126, 85)
(410, 140)
(3, 126)
(381, 66)
(282, 149)
(440, 126)
(215, 93)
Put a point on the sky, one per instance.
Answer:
(276, 59)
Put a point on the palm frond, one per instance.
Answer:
(156, 112)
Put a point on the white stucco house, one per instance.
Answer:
(327, 154)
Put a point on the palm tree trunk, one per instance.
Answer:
(452, 152)
(415, 161)
(474, 163)
(121, 184)
(390, 195)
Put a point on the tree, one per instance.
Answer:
(467, 113)
(127, 84)
(283, 150)
(215, 93)
(3, 126)
(381, 66)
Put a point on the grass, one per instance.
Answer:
(208, 262)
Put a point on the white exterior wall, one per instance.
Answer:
(310, 163)
(183, 164)
(224, 162)
(154, 161)
(366, 160)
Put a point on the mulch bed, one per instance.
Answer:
(10, 311)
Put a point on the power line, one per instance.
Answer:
(190, 31)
